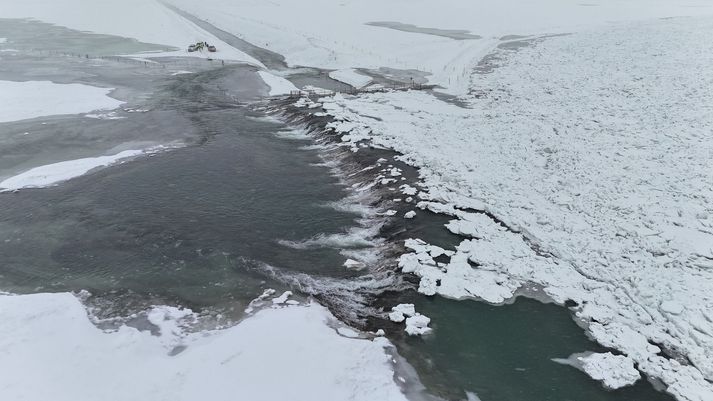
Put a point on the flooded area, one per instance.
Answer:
(213, 223)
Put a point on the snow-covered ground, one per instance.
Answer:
(336, 35)
(592, 151)
(146, 20)
(30, 99)
(51, 350)
(615, 371)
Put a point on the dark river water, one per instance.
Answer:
(184, 225)
(209, 225)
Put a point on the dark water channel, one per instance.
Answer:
(190, 226)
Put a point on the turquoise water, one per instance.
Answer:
(504, 353)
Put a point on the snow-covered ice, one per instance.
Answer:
(614, 371)
(278, 85)
(30, 99)
(350, 77)
(286, 353)
(399, 312)
(416, 323)
(581, 163)
(52, 174)
(282, 298)
(149, 21)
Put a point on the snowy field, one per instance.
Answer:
(593, 152)
(341, 35)
(281, 353)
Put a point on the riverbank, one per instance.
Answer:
(581, 203)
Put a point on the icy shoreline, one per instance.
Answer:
(590, 222)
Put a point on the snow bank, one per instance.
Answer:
(52, 351)
(30, 99)
(52, 174)
(582, 164)
(278, 85)
(337, 35)
(350, 77)
(148, 21)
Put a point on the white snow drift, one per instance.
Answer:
(51, 351)
(30, 99)
(593, 152)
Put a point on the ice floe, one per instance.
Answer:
(55, 173)
(350, 77)
(30, 99)
(416, 323)
(614, 371)
(282, 298)
(278, 85)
